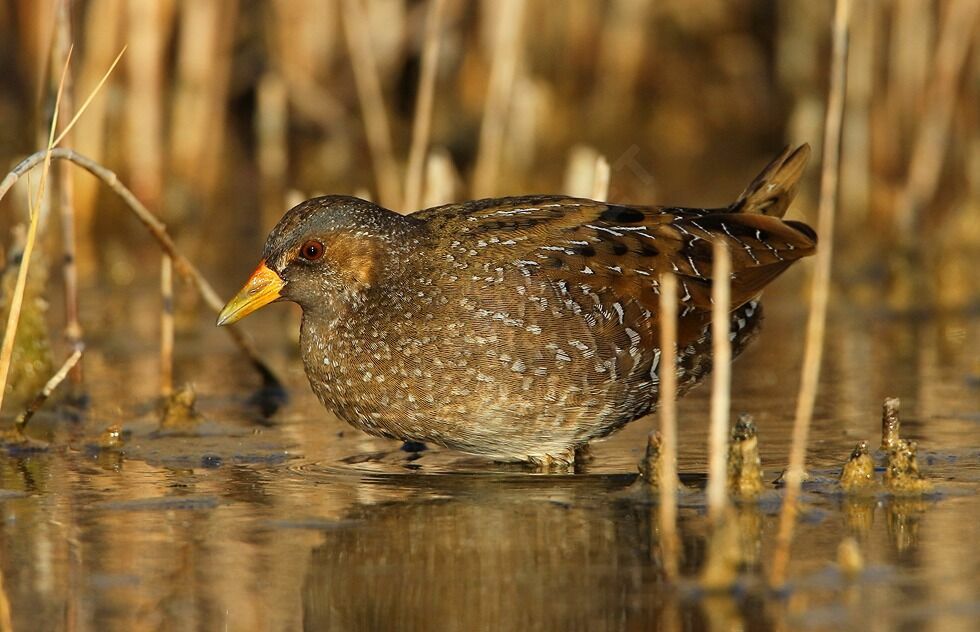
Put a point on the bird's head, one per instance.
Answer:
(325, 254)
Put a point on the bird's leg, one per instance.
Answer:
(558, 463)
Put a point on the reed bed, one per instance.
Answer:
(500, 98)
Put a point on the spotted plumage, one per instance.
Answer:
(515, 328)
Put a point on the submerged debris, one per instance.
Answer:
(902, 474)
(781, 479)
(890, 423)
(179, 413)
(744, 465)
(859, 471)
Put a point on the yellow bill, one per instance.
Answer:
(262, 288)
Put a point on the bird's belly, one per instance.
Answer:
(504, 398)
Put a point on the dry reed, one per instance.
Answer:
(667, 404)
(422, 126)
(198, 112)
(167, 326)
(503, 72)
(931, 142)
(580, 174)
(368, 84)
(25, 417)
(440, 179)
(16, 300)
(600, 179)
(820, 294)
(272, 141)
(148, 24)
(66, 195)
(101, 33)
(720, 382)
(157, 230)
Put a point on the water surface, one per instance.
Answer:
(247, 522)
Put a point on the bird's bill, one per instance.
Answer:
(262, 288)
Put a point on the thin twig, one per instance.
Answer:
(21, 423)
(506, 49)
(157, 229)
(667, 404)
(820, 294)
(422, 125)
(721, 382)
(369, 94)
(85, 104)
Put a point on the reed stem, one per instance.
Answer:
(167, 326)
(22, 420)
(503, 73)
(721, 383)
(820, 294)
(422, 125)
(66, 197)
(157, 230)
(600, 179)
(17, 298)
(667, 404)
(955, 37)
(368, 85)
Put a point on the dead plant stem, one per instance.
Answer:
(422, 125)
(667, 403)
(820, 294)
(368, 85)
(22, 420)
(721, 372)
(157, 229)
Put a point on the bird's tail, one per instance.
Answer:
(772, 190)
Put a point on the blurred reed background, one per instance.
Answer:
(224, 113)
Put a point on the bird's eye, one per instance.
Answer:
(311, 250)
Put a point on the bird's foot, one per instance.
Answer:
(562, 462)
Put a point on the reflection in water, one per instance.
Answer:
(301, 521)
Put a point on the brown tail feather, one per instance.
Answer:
(772, 190)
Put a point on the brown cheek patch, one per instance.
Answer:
(353, 258)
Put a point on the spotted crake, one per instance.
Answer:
(516, 328)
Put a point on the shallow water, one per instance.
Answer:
(246, 522)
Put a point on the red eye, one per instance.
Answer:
(311, 250)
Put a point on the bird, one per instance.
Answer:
(519, 328)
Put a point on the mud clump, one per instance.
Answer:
(649, 465)
(744, 465)
(111, 438)
(859, 471)
(179, 413)
(902, 474)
